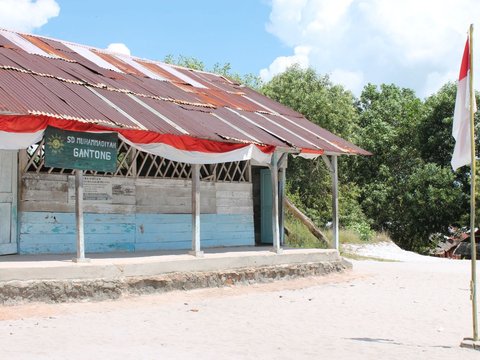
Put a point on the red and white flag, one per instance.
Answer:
(461, 118)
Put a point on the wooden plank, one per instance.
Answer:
(234, 210)
(147, 182)
(5, 221)
(69, 218)
(163, 237)
(235, 202)
(110, 208)
(162, 218)
(8, 168)
(45, 184)
(46, 177)
(166, 245)
(90, 228)
(164, 228)
(233, 186)
(50, 239)
(173, 209)
(44, 195)
(224, 194)
(70, 248)
(45, 206)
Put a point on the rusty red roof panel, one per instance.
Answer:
(326, 138)
(140, 113)
(196, 123)
(33, 62)
(293, 125)
(267, 103)
(281, 132)
(252, 131)
(197, 103)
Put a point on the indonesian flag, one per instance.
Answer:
(461, 118)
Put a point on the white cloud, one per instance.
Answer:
(352, 80)
(27, 15)
(380, 41)
(119, 48)
(436, 80)
(281, 63)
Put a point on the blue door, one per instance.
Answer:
(266, 231)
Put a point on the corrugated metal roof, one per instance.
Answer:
(77, 82)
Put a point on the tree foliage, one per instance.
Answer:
(407, 187)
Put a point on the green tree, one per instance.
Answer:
(333, 108)
(427, 202)
(388, 119)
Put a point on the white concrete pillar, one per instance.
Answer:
(196, 211)
(275, 213)
(334, 163)
(79, 217)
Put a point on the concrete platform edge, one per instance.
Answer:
(97, 289)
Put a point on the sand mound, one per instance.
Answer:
(386, 250)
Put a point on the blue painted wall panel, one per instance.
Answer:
(45, 232)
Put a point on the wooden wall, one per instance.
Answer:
(134, 215)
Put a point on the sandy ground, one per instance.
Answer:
(379, 310)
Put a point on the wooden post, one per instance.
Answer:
(275, 215)
(79, 217)
(336, 242)
(283, 170)
(196, 211)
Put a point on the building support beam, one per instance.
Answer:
(79, 217)
(196, 211)
(277, 219)
(332, 166)
(336, 241)
(282, 182)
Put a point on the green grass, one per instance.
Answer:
(300, 236)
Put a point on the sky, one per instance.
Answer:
(416, 44)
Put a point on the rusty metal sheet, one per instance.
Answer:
(278, 130)
(159, 71)
(21, 87)
(167, 90)
(34, 62)
(139, 112)
(211, 81)
(190, 102)
(329, 141)
(126, 68)
(37, 41)
(4, 42)
(197, 123)
(308, 133)
(259, 134)
(9, 104)
(269, 104)
(204, 118)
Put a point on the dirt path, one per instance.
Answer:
(384, 310)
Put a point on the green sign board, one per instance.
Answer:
(80, 150)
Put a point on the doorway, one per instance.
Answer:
(8, 202)
(266, 204)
